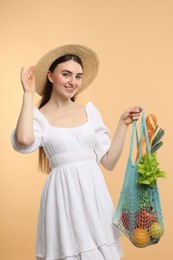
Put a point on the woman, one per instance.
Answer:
(76, 211)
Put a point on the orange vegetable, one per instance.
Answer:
(140, 237)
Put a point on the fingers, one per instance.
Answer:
(29, 72)
(28, 75)
(134, 112)
(28, 79)
(131, 114)
(135, 109)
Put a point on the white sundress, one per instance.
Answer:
(76, 211)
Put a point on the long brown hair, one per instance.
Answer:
(43, 160)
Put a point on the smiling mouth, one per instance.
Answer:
(70, 88)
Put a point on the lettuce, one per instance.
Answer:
(148, 170)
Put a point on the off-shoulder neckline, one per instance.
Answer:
(65, 128)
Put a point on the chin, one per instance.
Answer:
(71, 95)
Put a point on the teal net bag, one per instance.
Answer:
(139, 214)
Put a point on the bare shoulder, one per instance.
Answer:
(43, 109)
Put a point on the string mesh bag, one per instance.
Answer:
(139, 214)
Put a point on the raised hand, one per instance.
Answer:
(28, 79)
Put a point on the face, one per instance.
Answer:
(66, 79)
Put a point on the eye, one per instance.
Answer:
(66, 75)
(78, 77)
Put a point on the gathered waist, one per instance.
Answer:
(71, 157)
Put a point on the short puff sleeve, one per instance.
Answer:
(39, 127)
(102, 142)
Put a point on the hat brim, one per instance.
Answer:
(88, 57)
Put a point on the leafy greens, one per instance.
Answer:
(148, 170)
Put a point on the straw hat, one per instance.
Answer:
(88, 58)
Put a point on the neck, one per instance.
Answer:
(59, 103)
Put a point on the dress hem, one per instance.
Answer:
(41, 257)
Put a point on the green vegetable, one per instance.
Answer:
(148, 170)
(157, 143)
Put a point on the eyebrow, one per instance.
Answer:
(68, 71)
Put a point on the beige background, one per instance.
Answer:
(134, 41)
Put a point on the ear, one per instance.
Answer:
(49, 75)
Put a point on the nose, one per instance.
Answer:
(72, 81)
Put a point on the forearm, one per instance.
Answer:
(24, 130)
(111, 157)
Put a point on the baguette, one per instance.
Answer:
(151, 123)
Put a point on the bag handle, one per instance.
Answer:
(146, 133)
(143, 131)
